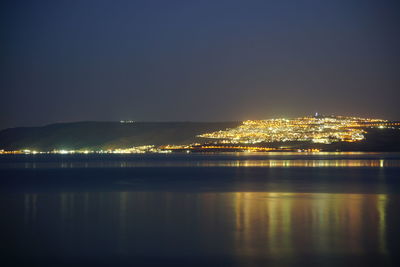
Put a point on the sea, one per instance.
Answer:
(200, 209)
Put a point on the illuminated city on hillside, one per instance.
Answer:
(317, 129)
(254, 136)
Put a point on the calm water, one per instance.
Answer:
(284, 209)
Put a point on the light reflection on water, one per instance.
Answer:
(237, 225)
(110, 211)
(209, 163)
(321, 159)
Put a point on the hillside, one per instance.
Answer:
(111, 135)
(105, 135)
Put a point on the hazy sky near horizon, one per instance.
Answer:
(197, 60)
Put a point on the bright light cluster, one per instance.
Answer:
(129, 150)
(136, 150)
(318, 129)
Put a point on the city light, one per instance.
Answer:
(317, 129)
(252, 135)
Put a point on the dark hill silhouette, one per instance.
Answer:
(106, 135)
(111, 135)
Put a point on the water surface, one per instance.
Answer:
(196, 210)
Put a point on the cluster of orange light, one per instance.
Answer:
(315, 129)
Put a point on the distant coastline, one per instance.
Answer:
(167, 137)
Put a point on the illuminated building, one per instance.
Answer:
(317, 129)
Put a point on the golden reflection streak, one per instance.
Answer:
(381, 207)
(263, 223)
(269, 163)
(30, 207)
(285, 218)
(123, 212)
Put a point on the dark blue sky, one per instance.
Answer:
(197, 60)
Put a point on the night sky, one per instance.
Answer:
(197, 60)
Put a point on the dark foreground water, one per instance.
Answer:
(200, 210)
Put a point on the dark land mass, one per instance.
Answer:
(111, 135)
(106, 135)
